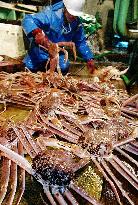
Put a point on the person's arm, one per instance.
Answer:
(82, 47)
(33, 21)
(33, 25)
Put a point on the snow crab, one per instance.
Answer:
(55, 168)
(71, 125)
(26, 88)
(110, 73)
(54, 58)
(59, 164)
(102, 140)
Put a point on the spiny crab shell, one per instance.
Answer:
(55, 166)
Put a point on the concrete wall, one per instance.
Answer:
(106, 11)
(92, 6)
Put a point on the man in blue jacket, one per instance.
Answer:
(56, 23)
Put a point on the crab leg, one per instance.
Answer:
(117, 182)
(126, 155)
(65, 114)
(4, 177)
(49, 196)
(130, 100)
(71, 128)
(71, 45)
(60, 198)
(19, 160)
(83, 194)
(65, 134)
(21, 187)
(120, 167)
(20, 103)
(25, 142)
(61, 145)
(22, 99)
(78, 124)
(12, 181)
(123, 142)
(131, 149)
(70, 197)
(30, 140)
(53, 65)
(127, 116)
(66, 54)
(135, 144)
(125, 110)
(135, 110)
(108, 179)
(26, 99)
(43, 143)
(126, 141)
(56, 130)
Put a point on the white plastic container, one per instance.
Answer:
(11, 40)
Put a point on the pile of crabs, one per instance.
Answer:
(72, 124)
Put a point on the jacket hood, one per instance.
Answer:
(57, 6)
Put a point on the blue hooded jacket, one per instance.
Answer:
(51, 21)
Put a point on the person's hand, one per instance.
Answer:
(91, 66)
(42, 39)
